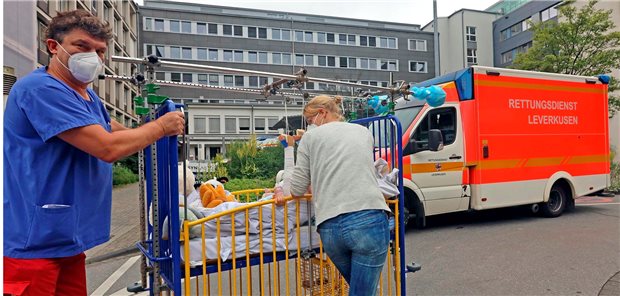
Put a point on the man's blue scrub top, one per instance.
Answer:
(57, 198)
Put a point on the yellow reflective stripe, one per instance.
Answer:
(499, 164)
(420, 168)
(544, 161)
(597, 90)
(588, 159)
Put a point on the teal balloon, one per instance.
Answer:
(378, 104)
(433, 95)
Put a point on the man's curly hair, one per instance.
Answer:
(65, 22)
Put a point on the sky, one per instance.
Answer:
(418, 12)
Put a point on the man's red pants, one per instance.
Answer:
(54, 276)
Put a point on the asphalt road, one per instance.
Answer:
(500, 252)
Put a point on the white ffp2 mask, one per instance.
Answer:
(84, 66)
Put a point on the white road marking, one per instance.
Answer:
(123, 292)
(599, 204)
(114, 277)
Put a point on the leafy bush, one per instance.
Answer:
(615, 177)
(244, 184)
(122, 175)
(246, 160)
(130, 162)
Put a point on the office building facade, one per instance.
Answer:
(465, 39)
(25, 47)
(336, 48)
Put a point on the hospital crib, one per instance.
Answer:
(256, 248)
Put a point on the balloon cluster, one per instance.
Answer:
(379, 104)
(434, 95)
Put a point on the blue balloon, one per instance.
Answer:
(434, 95)
(378, 104)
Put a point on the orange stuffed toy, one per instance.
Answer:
(212, 194)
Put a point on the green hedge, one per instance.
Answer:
(615, 177)
(122, 175)
(244, 184)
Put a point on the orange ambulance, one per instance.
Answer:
(505, 138)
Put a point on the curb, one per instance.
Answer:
(113, 254)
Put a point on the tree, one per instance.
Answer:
(584, 42)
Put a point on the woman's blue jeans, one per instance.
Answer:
(357, 243)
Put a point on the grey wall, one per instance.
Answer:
(20, 36)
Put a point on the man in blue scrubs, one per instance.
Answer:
(59, 143)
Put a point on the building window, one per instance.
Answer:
(214, 79)
(148, 24)
(343, 62)
(244, 124)
(239, 81)
(201, 53)
(472, 58)
(200, 125)
(392, 43)
(175, 26)
(230, 125)
(252, 56)
(159, 25)
(286, 59)
(363, 40)
(213, 54)
(417, 45)
(262, 80)
(262, 33)
(262, 57)
(372, 41)
(229, 80)
(186, 27)
(342, 39)
(238, 56)
(228, 55)
(299, 36)
(309, 60)
(276, 34)
(417, 66)
(331, 38)
(160, 75)
(392, 66)
(308, 36)
(227, 30)
(276, 58)
(187, 77)
(352, 62)
(213, 29)
(470, 33)
(203, 78)
(320, 37)
(351, 39)
(201, 28)
(331, 61)
(214, 125)
(299, 59)
(363, 63)
(238, 30)
(323, 61)
(186, 53)
(259, 124)
(271, 121)
(253, 81)
(383, 42)
(175, 52)
(42, 28)
(548, 13)
(286, 35)
(252, 32)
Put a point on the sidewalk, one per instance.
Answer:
(125, 229)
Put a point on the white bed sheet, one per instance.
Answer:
(254, 245)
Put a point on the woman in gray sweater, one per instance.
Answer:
(336, 159)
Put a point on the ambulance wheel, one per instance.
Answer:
(558, 197)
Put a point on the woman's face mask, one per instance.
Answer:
(313, 124)
(84, 66)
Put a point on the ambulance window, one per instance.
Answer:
(442, 119)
